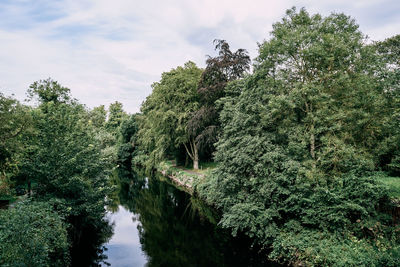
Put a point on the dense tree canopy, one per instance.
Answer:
(299, 141)
(56, 153)
(116, 115)
(98, 116)
(166, 113)
(389, 53)
(15, 128)
(300, 147)
(129, 140)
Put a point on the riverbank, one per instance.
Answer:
(323, 244)
(189, 179)
(183, 178)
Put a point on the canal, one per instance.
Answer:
(156, 224)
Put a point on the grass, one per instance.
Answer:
(186, 174)
(208, 165)
(393, 183)
(203, 167)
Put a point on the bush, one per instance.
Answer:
(32, 234)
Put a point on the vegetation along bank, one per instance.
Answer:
(300, 151)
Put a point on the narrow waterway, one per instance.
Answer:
(156, 224)
(124, 248)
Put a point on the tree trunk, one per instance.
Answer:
(195, 158)
(193, 153)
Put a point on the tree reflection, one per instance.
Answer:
(89, 251)
(175, 230)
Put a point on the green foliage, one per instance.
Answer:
(129, 129)
(389, 54)
(228, 66)
(15, 128)
(67, 162)
(166, 113)
(65, 155)
(125, 153)
(299, 143)
(128, 139)
(116, 115)
(107, 131)
(107, 143)
(32, 234)
(315, 248)
(392, 183)
(49, 91)
(98, 116)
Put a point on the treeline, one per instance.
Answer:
(180, 119)
(301, 142)
(55, 160)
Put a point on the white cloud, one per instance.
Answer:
(114, 50)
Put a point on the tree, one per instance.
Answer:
(298, 145)
(389, 74)
(15, 128)
(166, 113)
(98, 116)
(226, 67)
(128, 142)
(49, 91)
(116, 115)
(66, 163)
(321, 82)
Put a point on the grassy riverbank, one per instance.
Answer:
(182, 177)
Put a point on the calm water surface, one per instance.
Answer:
(124, 248)
(155, 224)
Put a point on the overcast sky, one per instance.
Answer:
(107, 51)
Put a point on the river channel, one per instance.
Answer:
(156, 224)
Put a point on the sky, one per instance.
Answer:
(107, 51)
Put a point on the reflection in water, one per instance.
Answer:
(89, 250)
(124, 248)
(170, 227)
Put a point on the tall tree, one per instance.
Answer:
(48, 90)
(166, 113)
(116, 115)
(65, 161)
(98, 116)
(220, 70)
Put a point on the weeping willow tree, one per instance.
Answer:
(166, 113)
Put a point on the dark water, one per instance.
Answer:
(155, 224)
